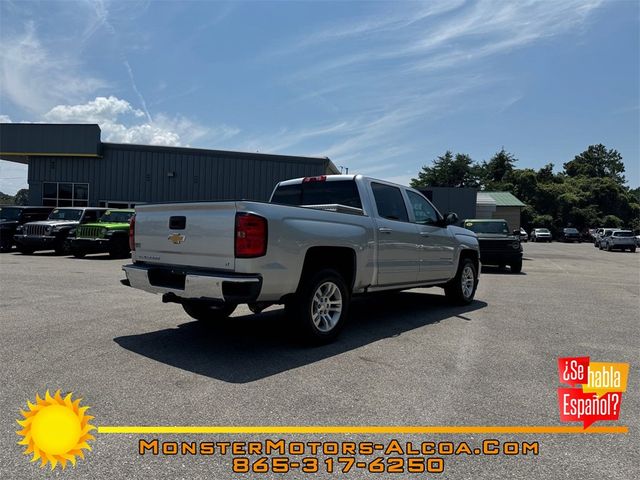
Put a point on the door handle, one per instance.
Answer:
(424, 234)
(385, 230)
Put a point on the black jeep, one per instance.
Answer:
(498, 246)
(11, 216)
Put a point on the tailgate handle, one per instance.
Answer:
(177, 223)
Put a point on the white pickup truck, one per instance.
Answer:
(315, 244)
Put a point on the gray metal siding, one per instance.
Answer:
(136, 174)
(460, 200)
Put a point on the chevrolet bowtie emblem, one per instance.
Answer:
(176, 238)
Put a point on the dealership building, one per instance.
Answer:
(69, 165)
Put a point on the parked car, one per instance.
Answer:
(12, 216)
(498, 246)
(318, 241)
(603, 233)
(52, 233)
(524, 236)
(570, 235)
(109, 234)
(619, 240)
(540, 235)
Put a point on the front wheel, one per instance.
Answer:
(25, 250)
(319, 309)
(462, 288)
(516, 267)
(208, 313)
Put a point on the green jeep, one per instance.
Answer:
(109, 234)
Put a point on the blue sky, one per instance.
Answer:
(379, 87)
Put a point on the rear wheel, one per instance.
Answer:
(320, 307)
(208, 313)
(462, 288)
(632, 249)
(516, 267)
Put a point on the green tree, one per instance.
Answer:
(497, 171)
(22, 197)
(448, 171)
(597, 162)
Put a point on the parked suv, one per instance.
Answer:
(498, 246)
(13, 216)
(601, 236)
(570, 235)
(620, 240)
(52, 233)
(540, 235)
(109, 234)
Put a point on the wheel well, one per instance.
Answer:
(471, 254)
(341, 259)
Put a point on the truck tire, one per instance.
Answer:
(208, 313)
(319, 308)
(632, 249)
(62, 247)
(78, 253)
(25, 250)
(462, 288)
(516, 267)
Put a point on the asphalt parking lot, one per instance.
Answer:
(404, 359)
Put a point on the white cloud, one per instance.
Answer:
(5, 119)
(35, 77)
(121, 123)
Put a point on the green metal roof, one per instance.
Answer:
(505, 199)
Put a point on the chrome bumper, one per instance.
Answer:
(195, 285)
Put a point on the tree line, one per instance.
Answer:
(20, 198)
(589, 192)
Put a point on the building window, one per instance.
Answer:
(64, 194)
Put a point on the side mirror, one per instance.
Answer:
(451, 218)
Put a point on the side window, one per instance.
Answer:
(89, 216)
(389, 202)
(423, 211)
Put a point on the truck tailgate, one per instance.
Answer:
(202, 234)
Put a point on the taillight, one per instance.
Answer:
(251, 235)
(320, 178)
(132, 233)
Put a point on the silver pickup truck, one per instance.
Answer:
(315, 244)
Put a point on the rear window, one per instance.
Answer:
(487, 227)
(570, 230)
(623, 234)
(343, 192)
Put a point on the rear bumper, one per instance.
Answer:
(176, 284)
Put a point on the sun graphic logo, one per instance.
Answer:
(55, 430)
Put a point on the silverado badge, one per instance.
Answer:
(176, 238)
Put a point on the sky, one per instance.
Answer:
(381, 88)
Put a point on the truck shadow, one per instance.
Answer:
(251, 347)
